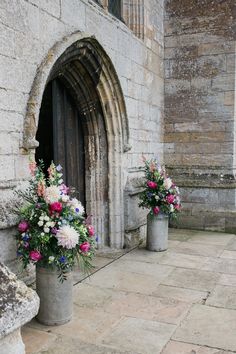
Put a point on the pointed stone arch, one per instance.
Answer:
(85, 68)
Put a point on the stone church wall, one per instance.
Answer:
(200, 109)
(28, 30)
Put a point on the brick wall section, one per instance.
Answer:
(199, 106)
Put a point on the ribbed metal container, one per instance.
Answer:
(56, 298)
(157, 232)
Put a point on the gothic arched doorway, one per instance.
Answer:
(85, 72)
(61, 137)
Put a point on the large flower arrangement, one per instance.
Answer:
(52, 231)
(160, 194)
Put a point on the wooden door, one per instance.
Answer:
(60, 136)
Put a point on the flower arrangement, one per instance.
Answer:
(53, 231)
(160, 194)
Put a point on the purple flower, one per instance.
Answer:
(54, 230)
(77, 210)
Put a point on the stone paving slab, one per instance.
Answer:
(199, 249)
(184, 261)
(227, 279)
(209, 326)
(192, 279)
(65, 345)
(211, 238)
(228, 254)
(182, 294)
(223, 296)
(220, 265)
(174, 347)
(36, 340)
(140, 336)
(231, 245)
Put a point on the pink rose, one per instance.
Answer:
(156, 210)
(85, 247)
(35, 256)
(170, 198)
(23, 226)
(151, 184)
(91, 230)
(177, 206)
(55, 207)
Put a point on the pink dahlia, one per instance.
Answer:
(23, 226)
(91, 230)
(151, 184)
(35, 256)
(156, 210)
(170, 198)
(85, 247)
(55, 207)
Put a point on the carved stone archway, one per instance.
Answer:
(84, 67)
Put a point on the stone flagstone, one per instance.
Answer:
(182, 294)
(210, 326)
(223, 296)
(174, 347)
(140, 336)
(192, 279)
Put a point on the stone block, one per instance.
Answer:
(8, 245)
(73, 12)
(7, 167)
(16, 72)
(13, 101)
(53, 7)
(18, 306)
(12, 343)
(11, 122)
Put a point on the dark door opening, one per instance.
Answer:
(60, 136)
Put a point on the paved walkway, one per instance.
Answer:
(182, 301)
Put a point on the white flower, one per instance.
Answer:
(65, 198)
(46, 230)
(52, 194)
(156, 197)
(60, 181)
(46, 218)
(51, 259)
(67, 237)
(167, 183)
(76, 205)
(41, 218)
(171, 208)
(42, 234)
(40, 223)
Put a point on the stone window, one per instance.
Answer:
(131, 12)
(115, 8)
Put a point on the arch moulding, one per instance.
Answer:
(115, 118)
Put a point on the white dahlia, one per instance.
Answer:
(76, 205)
(52, 194)
(167, 183)
(67, 237)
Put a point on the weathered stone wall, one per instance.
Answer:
(29, 29)
(200, 109)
